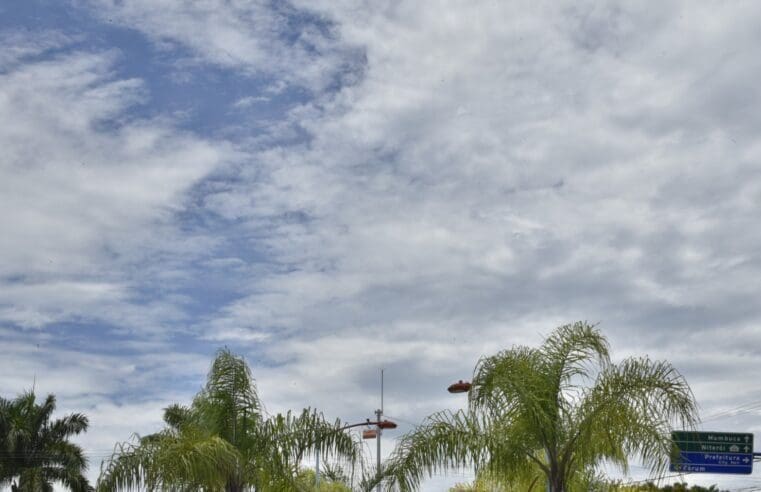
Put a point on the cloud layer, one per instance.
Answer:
(456, 180)
(88, 193)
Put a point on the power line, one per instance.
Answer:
(740, 409)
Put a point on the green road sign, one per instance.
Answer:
(713, 437)
(712, 452)
(715, 448)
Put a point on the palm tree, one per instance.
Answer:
(552, 414)
(225, 441)
(35, 452)
(306, 481)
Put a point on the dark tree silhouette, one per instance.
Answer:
(35, 451)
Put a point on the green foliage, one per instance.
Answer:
(593, 484)
(224, 441)
(306, 482)
(482, 484)
(35, 452)
(551, 413)
(651, 487)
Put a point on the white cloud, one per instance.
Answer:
(86, 202)
(19, 45)
(496, 171)
(500, 170)
(122, 392)
(248, 101)
(260, 38)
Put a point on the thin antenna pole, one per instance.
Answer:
(381, 390)
(34, 381)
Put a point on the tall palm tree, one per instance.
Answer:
(552, 414)
(225, 441)
(35, 452)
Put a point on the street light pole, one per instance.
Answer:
(379, 425)
(379, 413)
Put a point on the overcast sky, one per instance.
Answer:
(334, 187)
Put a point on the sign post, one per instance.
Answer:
(711, 452)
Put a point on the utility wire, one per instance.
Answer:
(738, 410)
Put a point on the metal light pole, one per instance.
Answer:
(379, 426)
(378, 414)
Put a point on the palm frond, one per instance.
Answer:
(176, 416)
(229, 396)
(69, 425)
(169, 461)
(558, 411)
(222, 440)
(512, 385)
(444, 441)
(631, 410)
(571, 348)
(39, 449)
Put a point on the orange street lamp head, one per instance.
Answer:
(459, 387)
(387, 424)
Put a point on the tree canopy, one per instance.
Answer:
(552, 413)
(224, 440)
(35, 451)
